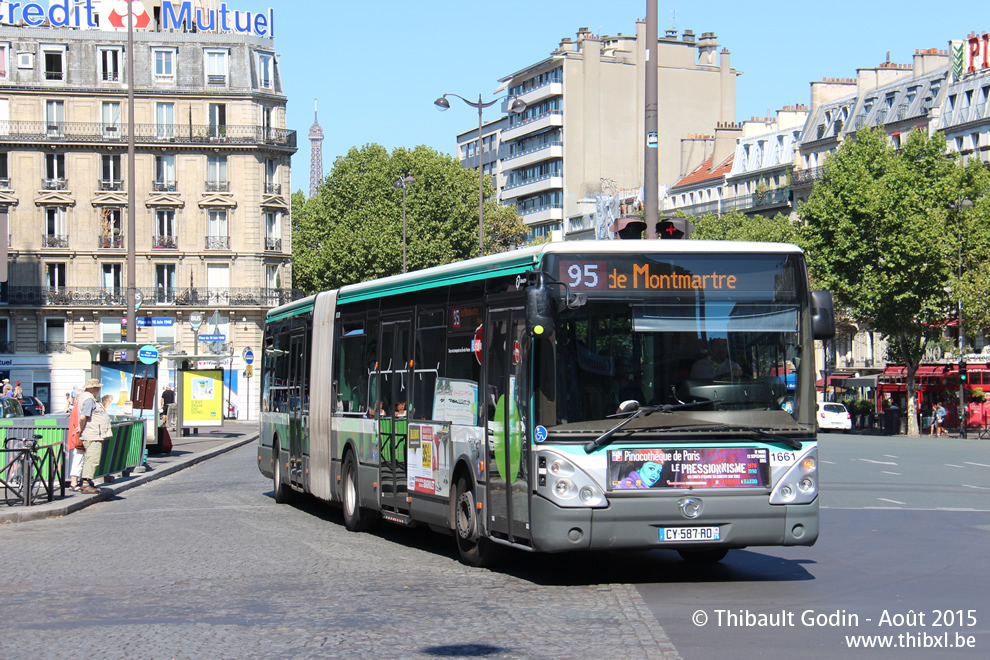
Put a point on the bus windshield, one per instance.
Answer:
(720, 349)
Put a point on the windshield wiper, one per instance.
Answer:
(783, 439)
(632, 408)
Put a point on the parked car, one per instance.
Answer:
(11, 407)
(834, 416)
(32, 406)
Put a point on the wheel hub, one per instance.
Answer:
(467, 527)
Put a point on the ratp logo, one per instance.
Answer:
(117, 16)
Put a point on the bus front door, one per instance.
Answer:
(395, 381)
(508, 450)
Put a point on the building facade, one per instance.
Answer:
(211, 191)
(583, 126)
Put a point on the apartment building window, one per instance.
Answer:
(110, 120)
(55, 118)
(216, 230)
(165, 334)
(112, 288)
(54, 58)
(218, 120)
(110, 64)
(110, 329)
(54, 172)
(6, 346)
(56, 232)
(165, 283)
(54, 336)
(266, 122)
(4, 173)
(56, 293)
(272, 186)
(164, 174)
(272, 285)
(265, 71)
(216, 67)
(165, 229)
(165, 120)
(216, 174)
(218, 291)
(4, 60)
(273, 232)
(164, 65)
(111, 229)
(110, 173)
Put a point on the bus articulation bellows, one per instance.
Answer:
(639, 394)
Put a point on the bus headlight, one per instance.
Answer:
(566, 484)
(799, 485)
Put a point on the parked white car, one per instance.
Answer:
(834, 416)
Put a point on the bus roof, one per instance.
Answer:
(520, 261)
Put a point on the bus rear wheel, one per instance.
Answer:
(283, 492)
(356, 518)
(473, 548)
(712, 556)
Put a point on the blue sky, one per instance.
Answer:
(377, 66)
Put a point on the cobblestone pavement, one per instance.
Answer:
(204, 564)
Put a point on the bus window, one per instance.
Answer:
(430, 346)
(353, 375)
(460, 378)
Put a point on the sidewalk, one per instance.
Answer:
(186, 451)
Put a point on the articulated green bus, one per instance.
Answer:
(581, 395)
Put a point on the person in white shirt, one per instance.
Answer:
(717, 363)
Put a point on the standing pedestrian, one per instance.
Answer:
(18, 391)
(68, 402)
(77, 453)
(94, 426)
(168, 400)
(938, 420)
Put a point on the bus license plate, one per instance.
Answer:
(693, 534)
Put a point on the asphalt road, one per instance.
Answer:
(905, 531)
(203, 564)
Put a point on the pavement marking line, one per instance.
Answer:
(896, 474)
(955, 466)
(867, 460)
(884, 499)
(829, 462)
(977, 464)
(977, 487)
(909, 508)
(889, 456)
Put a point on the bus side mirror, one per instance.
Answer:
(539, 314)
(822, 315)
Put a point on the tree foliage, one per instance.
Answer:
(351, 230)
(882, 235)
(736, 226)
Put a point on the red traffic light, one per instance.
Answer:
(674, 228)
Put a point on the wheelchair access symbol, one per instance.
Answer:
(540, 434)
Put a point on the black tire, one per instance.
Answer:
(712, 556)
(356, 518)
(283, 492)
(473, 548)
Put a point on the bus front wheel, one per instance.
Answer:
(473, 547)
(356, 519)
(283, 492)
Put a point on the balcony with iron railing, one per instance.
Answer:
(273, 244)
(164, 186)
(54, 241)
(110, 184)
(218, 186)
(806, 177)
(5, 183)
(63, 296)
(7, 348)
(165, 242)
(218, 242)
(42, 131)
(54, 184)
(273, 188)
(112, 241)
(49, 347)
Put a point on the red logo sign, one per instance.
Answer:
(118, 15)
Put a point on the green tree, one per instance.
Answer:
(351, 230)
(882, 236)
(736, 226)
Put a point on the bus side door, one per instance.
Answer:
(395, 381)
(507, 446)
(298, 406)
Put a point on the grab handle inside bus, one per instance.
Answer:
(539, 314)
(822, 315)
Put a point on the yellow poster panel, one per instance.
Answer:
(202, 398)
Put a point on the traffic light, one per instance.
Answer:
(674, 228)
(962, 373)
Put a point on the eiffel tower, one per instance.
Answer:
(315, 154)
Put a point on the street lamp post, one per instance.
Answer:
(402, 183)
(964, 203)
(517, 106)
